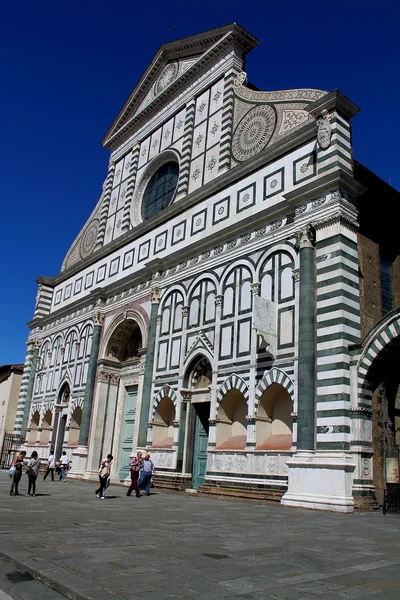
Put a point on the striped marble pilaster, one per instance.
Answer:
(226, 123)
(340, 152)
(130, 187)
(338, 327)
(44, 299)
(183, 182)
(105, 206)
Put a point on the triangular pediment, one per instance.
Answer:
(173, 65)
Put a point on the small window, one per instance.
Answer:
(160, 189)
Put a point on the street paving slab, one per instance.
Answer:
(186, 547)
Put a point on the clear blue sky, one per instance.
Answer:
(67, 68)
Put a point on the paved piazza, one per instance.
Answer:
(191, 548)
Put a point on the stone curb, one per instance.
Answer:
(70, 585)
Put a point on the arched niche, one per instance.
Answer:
(163, 424)
(33, 426)
(231, 421)
(125, 342)
(74, 426)
(274, 419)
(46, 427)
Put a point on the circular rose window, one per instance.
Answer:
(160, 190)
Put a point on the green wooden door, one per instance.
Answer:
(127, 431)
(199, 454)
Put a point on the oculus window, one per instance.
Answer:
(160, 190)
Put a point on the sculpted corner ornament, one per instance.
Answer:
(306, 237)
(324, 130)
(156, 293)
(98, 318)
(240, 79)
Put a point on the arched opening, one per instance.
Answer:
(125, 343)
(33, 427)
(64, 395)
(231, 421)
(163, 424)
(383, 382)
(74, 427)
(46, 428)
(274, 420)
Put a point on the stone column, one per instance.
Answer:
(306, 381)
(148, 370)
(182, 405)
(79, 456)
(29, 390)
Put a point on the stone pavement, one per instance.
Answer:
(190, 548)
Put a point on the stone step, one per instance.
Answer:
(268, 494)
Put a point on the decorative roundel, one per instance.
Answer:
(253, 132)
(88, 241)
(167, 76)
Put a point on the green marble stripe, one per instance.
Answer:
(332, 367)
(333, 351)
(340, 321)
(343, 335)
(335, 239)
(333, 446)
(335, 164)
(362, 481)
(337, 294)
(361, 443)
(323, 159)
(337, 280)
(339, 306)
(321, 270)
(342, 397)
(333, 381)
(338, 412)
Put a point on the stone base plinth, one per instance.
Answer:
(321, 481)
(79, 460)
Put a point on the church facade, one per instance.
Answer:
(213, 308)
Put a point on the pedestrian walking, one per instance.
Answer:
(17, 464)
(136, 465)
(32, 472)
(51, 465)
(64, 465)
(104, 475)
(146, 474)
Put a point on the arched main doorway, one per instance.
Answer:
(380, 384)
(197, 388)
(122, 360)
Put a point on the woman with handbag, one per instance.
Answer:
(32, 472)
(104, 475)
(17, 473)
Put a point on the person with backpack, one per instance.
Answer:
(17, 472)
(32, 472)
(146, 475)
(104, 475)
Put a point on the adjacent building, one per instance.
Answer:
(230, 303)
(10, 384)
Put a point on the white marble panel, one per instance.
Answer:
(244, 336)
(162, 355)
(127, 166)
(202, 107)
(211, 164)
(155, 144)
(217, 96)
(113, 201)
(167, 133)
(286, 327)
(144, 152)
(179, 125)
(118, 172)
(196, 173)
(122, 195)
(199, 139)
(109, 230)
(214, 129)
(175, 353)
(118, 223)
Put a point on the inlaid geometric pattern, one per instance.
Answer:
(166, 391)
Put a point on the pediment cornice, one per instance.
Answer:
(208, 46)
